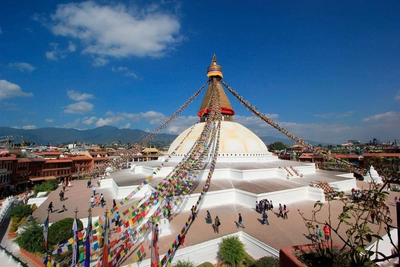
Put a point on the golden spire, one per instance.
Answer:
(214, 73)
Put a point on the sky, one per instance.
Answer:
(323, 70)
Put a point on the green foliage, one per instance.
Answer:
(232, 250)
(15, 223)
(266, 262)
(31, 239)
(187, 263)
(21, 211)
(61, 231)
(46, 186)
(206, 264)
(277, 146)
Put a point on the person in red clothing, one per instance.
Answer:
(327, 232)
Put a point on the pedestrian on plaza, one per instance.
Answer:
(318, 234)
(96, 201)
(92, 202)
(50, 208)
(208, 218)
(285, 212)
(240, 221)
(117, 218)
(372, 214)
(327, 232)
(265, 218)
(63, 186)
(257, 207)
(89, 183)
(94, 190)
(280, 211)
(64, 208)
(61, 194)
(217, 223)
(102, 201)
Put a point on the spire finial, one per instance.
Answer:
(214, 70)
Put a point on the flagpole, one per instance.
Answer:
(75, 251)
(88, 239)
(105, 240)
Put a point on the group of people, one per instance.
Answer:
(283, 211)
(324, 233)
(264, 205)
(96, 201)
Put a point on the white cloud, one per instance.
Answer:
(72, 124)
(29, 127)
(109, 121)
(390, 116)
(57, 53)
(125, 71)
(397, 97)
(22, 66)
(81, 107)
(49, 120)
(78, 96)
(99, 62)
(127, 126)
(117, 31)
(89, 120)
(10, 90)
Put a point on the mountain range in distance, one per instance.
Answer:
(101, 135)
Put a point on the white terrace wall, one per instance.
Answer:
(207, 251)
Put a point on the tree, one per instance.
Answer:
(61, 231)
(277, 146)
(355, 215)
(232, 250)
(31, 239)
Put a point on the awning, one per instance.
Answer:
(23, 182)
(42, 178)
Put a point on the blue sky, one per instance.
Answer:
(324, 70)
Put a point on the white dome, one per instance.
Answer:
(236, 141)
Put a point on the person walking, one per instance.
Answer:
(280, 211)
(50, 207)
(217, 223)
(240, 221)
(372, 214)
(94, 190)
(61, 194)
(102, 201)
(92, 202)
(208, 218)
(327, 232)
(265, 218)
(318, 234)
(89, 183)
(285, 212)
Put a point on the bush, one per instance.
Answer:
(232, 250)
(61, 231)
(31, 239)
(21, 211)
(266, 262)
(46, 186)
(206, 264)
(180, 263)
(15, 223)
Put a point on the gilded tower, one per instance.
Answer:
(214, 73)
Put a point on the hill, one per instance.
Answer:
(101, 135)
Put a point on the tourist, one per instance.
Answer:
(61, 194)
(318, 234)
(327, 232)
(117, 218)
(64, 208)
(208, 218)
(94, 190)
(240, 221)
(271, 206)
(280, 211)
(217, 223)
(372, 214)
(265, 218)
(50, 208)
(285, 212)
(96, 201)
(102, 201)
(69, 184)
(63, 186)
(92, 202)
(257, 207)
(89, 183)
